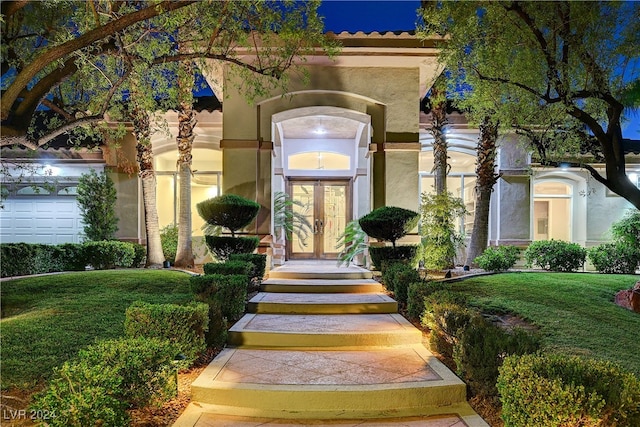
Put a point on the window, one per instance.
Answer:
(552, 211)
(205, 184)
(461, 182)
(319, 160)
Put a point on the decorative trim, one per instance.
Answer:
(401, 146)
(245, 144)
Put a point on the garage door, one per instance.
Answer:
(50, 219)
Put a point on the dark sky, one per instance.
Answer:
(369, 15)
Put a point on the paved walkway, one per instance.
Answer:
(324, 346)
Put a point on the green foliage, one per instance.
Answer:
(381, 256)
(72, 256)
(438, 213)
(447, 321)
(552, 390)
(617, 258)
(140, 255)
(628, 229)
(397, 277)
(144, 364)
(229, 267)
(555, 255)
(289, 215)
(21, 259)
(103, 255)
(97, 201)
(184, 326)
(229, 292)
(388, 223)
(259, 262)
(548, 83)
(498, 258)
(169, 239)
(481, 351)
(222, 247)
(353, 242)
(229, 211)
(416, 295)
(82, 394)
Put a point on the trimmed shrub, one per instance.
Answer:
(222, 247)
(259, 262)
(554, 390)
(618, 257)
(169, 240)
(416, 295)
(381, 256)
(145, 366)
(109, 254)
(229, 292)
(447, 322)
(17, 259)
(498, 258)
(389, 223)
(229, 267)
(397, 277)
(72, 256)
(185, 326)
(628, 228)
(440, 240)
(482, 348)
(555, 255)
(229, 210)
(83, 394)
(139, 256)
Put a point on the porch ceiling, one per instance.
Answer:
(320, 127)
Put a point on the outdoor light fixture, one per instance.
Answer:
(49, 170)
(564, 165)
(319, 131)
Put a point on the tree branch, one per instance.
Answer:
(55, 53)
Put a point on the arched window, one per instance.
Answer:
(552, 215)
(461, 182)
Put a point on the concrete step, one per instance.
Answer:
(323, 330)
(311, 286)
(329, 384)
(344, 303)
(336, 273)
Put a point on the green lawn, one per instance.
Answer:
(575, 312)
(47, 319)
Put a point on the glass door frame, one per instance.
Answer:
(319, 215)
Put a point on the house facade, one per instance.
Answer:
(348, 139)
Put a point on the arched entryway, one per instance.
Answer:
(321, 160)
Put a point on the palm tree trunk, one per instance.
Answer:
(438, 122)
(141, 129)
(486, 179)
(186, 123)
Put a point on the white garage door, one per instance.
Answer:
(50, 219)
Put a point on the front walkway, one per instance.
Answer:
(325, 346)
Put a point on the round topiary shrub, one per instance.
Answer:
(555, 255)
(229, 211)
(389, 223)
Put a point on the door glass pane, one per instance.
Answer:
(165, 200)
(335, 202)
(302, 195)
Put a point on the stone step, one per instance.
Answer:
(310, 286)
(322, 331)
(299, 303)
(329, 384)
(336, 273)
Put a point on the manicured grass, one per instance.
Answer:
(575, 312)
(47, 319)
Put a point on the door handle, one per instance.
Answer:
(321, 229)
(315, 227)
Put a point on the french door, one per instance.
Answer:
(326, 204)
